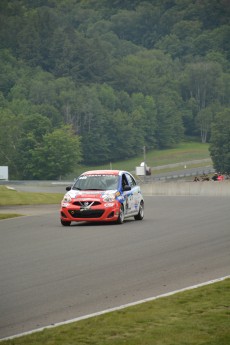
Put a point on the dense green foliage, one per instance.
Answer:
(120, 74)
(220, 142)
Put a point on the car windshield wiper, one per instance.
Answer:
(76, 188)
(94, 189)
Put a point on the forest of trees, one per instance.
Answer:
(87, 81)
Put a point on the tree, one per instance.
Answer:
(9, 133)
(169, 121)
(122, 136)
(33, 129)
(146, 123)
(149, 72)
(204, 120)
(171, 44)
(8, 71)
(57, 155)
(35, 36)
(201, 86)
(220, 141)
(203, 82)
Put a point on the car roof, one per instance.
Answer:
(103, 172)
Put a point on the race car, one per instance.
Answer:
(102, 196)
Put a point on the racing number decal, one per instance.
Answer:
(128, 202)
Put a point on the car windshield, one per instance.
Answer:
(96, 182)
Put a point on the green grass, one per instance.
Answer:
(9, 215)
(182, 153)
(196, 317)
(13, 197)
(9, 197)
(181, 167)
(186, 151)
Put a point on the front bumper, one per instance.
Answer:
(106, 212)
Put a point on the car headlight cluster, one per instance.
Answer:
(109, 197)
(67, 198)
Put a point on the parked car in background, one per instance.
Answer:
(102, 196)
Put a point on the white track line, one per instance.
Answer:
(116, 308)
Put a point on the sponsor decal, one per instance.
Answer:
(109, 204)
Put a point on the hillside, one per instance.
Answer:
(91, 82)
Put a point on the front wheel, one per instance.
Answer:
(121, 216)
(65, 222)
(140, 214)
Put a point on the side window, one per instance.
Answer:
(124, 181)
(131, 180)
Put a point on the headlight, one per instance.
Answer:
(67, 198)
(109, 197)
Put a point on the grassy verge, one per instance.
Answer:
(195, 317)
(188, 166)
(9, 215)
(9, 197)
(13, 197)
(182, 153)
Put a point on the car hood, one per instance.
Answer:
(89, 193)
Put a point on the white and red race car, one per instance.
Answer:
(102, 196)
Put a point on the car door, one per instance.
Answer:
(127, 194)
(134, 196)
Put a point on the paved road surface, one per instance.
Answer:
(50, 273)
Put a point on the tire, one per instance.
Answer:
(140, 214)
(121, 216)
(65, 222)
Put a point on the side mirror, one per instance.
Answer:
(68, 188)
(126, 188)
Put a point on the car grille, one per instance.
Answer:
(82, 203)
(86, 213)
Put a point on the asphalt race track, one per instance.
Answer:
(51, 273)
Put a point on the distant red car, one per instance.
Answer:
(102, 196)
